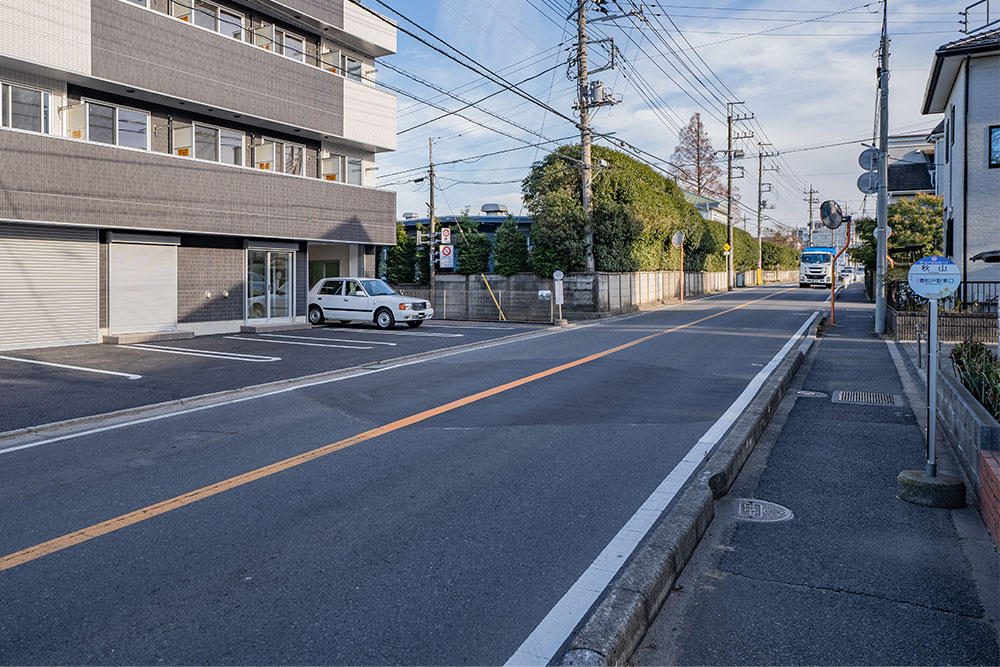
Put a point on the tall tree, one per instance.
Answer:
(510, 254)
(401, 260)
(695, 164)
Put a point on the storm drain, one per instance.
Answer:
(865, 398)
(760, 511)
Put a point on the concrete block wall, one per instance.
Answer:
(968, 427)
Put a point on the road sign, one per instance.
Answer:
(934, 277)
(559, 293)
(677, 240)
(888, 232)
(557, 275)
(447, 258)
(868, 159)
(868, 182)
(727, 247)
(446, 235)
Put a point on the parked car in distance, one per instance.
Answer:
(847, 274)
(365, 300)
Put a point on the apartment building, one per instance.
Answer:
(184, 167)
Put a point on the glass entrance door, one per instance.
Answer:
(279, 282)
(270, 285)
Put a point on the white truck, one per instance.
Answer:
(816, 266)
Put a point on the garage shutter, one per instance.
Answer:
(142, 287)
(48, 286)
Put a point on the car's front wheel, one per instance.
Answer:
(316, 315)
(384, 318)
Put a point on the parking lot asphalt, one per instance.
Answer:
(41, 386)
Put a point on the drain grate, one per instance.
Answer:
(761, 511)
(865, 398)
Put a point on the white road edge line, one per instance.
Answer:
(294, 342)
(548, 637)
(338, 340)
(194, 352)
(130, 376)
(389, 332)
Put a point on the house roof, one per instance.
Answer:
(937, 131)
(948, 60)
(700, 199)
(909, 177)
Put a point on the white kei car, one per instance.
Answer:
(365, 300)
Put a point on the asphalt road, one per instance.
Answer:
(443, 539)
(84, 380)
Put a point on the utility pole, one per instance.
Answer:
(431, 241)
(761, 154)
(812, 200)
(883, 173)
(730, 272)
(587, 167)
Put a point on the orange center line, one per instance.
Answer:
(111, 525)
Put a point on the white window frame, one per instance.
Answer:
(347, 70)
(347, 170)
(331, 158)
(218, 143)
(276, 142)
(141, 3)
(301, 57)
(175, 5)
(243, 23)
(87, 101)
(6, 106)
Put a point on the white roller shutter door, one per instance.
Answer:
(48, 286)
(142, 288)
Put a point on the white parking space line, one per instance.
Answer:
(471, 326)
(295, 342)
(545, 641)
(130, 376)
(388, 332)
(339, 340)
(213, 354)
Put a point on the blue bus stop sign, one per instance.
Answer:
(934, 277)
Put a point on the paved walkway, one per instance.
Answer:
(857, 576)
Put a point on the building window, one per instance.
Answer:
(24, 108)
(352, 68)
(141, 3)
(354, 170)
(210, 16)
(280, 156)
(994, 146)
(289, 45)
(332, 167)
(107, 124)
(212, 144)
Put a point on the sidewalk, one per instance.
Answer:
(857, 576)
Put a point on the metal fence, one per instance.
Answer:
(969, 314)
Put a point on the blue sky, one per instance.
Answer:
(807, 85)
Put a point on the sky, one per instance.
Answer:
(808, 78)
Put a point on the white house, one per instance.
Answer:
(964, 84)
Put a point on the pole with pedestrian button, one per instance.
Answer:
(933, 278)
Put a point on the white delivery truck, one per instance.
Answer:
(816, 266)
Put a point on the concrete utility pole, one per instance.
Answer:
(587, 167)
(431, 241)
(882, 215)
(812, 200)
(761, 154)
(730, 138)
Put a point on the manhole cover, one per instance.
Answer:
(866, 398)
(811, 394)
(751, 509)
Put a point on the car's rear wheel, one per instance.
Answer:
(316, 315)
(414, 324)
(384, 319)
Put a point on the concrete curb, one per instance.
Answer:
(614, 628)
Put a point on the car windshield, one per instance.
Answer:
(816, 258)
(377, 288)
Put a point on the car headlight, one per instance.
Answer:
(404, 306)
